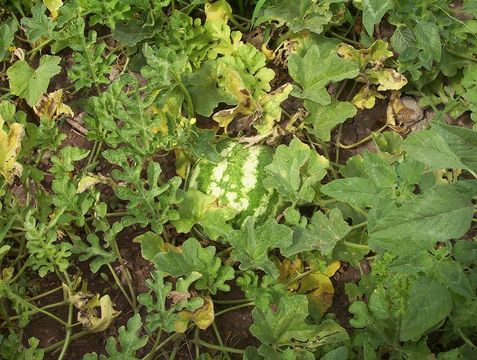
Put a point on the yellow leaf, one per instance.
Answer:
(159, 126)
(51, 106)
(86, 182)
(7, 274)
(53, 6)
(375, 55)
(247, 108)
(89, 318)
(269, 54)
(270, 108)
(332, 268)
(288, 271)
(316, 285)
(203, 317)
(319, 290)
(218, 11)
(387, 79)
(182, 163)
(10, 145)
(366, 98)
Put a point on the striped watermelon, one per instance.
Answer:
(236, 181)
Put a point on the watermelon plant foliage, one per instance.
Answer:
(256, 179)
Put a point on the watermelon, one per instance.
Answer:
(236, 181)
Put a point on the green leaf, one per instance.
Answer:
(279, 327)
(402, 39)
(159, 316)
(204, 91)
(357, 191)
(62, 163)
(313, 80)
(195, 258)
(410, 172)
(444, 146)
(151, 244)
(322, 234)
(373, 12)
(202, 146)
(149, 201)
(430, 148)
(250, 65)
(46, 252)
(321, 119)
(132, 32)
(92, 64)
(429, 303)
(202, 209)
(427, 36)
(251, 244)
(295, 172)
(129, 339)
(39, 24)
(95, 252)
(452, 274)
(340, 353)
(462, 141)
(7, 33)
(465, 251)
(300, 14)
(98, 255)
(29, 83)
(379, 171)
(11, 348)
(440, 214)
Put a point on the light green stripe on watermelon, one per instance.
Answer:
(237, 180)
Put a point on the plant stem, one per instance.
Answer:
(115, 214)
(345, 39)
(357, 226)
(14, 235)
(173, 353)
(125, 272)
(230, 302)
(68, 332)
(356, 246)
(173, 337)
(220, 348)
(93, 150)
(190, 104)
(338, 140)
(154, 346)
(22, 269)
(466, 339)
(61, 342)
(462, 56)
(42, 295)
(472, 173)
(33, 51)
(219, 338)
(37, 309)
(98, 151)
(196, 342)
(232, 308)
(362, 141)
(118, 282)
(49, 306)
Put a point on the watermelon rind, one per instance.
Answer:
(236, 181)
